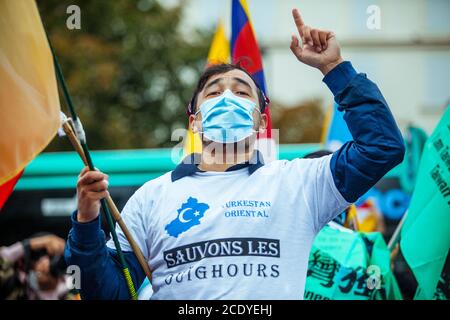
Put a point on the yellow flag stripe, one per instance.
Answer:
(220, 47)
(29, 102)
(219, 52)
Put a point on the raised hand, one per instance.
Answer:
(52, 244)
(320, 48)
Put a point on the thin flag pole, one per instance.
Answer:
(82, 137)
(396, 235)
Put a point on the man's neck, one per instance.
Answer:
(221, 162)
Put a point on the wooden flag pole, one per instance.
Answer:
(114, 211)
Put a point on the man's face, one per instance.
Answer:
(237, 82)
(42, 269)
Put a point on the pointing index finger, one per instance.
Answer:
(298, 20)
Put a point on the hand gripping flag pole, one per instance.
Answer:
(67, 126)
(88, 161)
(85, 155)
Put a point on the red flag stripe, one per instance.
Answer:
(7, 188)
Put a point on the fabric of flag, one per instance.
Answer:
(219, 52)
(443, 287)
(335, 132)
(245, 50)
(29, 103)
(7, 188)
(349, 265)
(220, 47)
(425, 236)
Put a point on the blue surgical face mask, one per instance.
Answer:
(227, 118)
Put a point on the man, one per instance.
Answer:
(229, 226)
(34, 269)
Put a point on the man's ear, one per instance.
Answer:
(263, 123)
(192, 123)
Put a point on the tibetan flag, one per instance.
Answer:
(244, 48)
(29, 103)
(219, 52)
(335, 132)
(245, 51)
(425, 236)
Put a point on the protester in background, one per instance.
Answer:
(33, 269)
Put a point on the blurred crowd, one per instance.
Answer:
(34, 269)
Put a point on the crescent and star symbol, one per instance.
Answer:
(181, 217)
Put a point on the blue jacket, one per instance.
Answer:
(356, 167)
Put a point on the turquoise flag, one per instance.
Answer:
(349, 265)
(425, 236)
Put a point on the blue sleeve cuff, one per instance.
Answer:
(85, 233)
(338, 78)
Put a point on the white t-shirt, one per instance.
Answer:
(233, 235)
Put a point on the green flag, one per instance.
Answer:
(425, 236)
(349, 265)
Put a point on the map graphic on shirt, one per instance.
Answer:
(188, 216)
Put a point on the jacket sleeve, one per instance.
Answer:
(377, 144)
(101, 271)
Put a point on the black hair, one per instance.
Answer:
(57, 266)
(220, 69)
